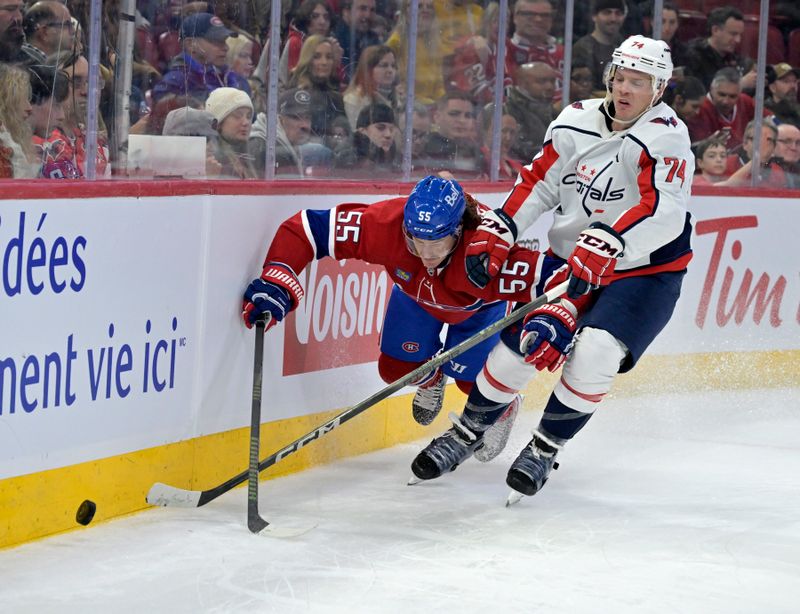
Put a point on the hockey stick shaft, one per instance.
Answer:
(254, 521)
(355, 410)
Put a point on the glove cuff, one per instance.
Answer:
(558, 311)
(283, 276)
(510, 224)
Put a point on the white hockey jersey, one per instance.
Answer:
(636, 180)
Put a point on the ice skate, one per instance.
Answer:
(428, 400)
(529, 472)
(496, 436)
(446, 452)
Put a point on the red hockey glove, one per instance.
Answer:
(275, 293)
(489, 247)
(546, 337)
(593, 260)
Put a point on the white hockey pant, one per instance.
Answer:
(590, 369)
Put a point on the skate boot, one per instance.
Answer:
(428, 400)
(529, 472)
(446, 452)
(496, 436)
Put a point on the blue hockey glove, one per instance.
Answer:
(276, 293)
(546, 337)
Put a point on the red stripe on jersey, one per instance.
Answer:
(647, 191)
(530, 177)
(495, 384)
(679, 264)
(592, 398)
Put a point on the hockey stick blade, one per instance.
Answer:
(200, 498)
(169, 496)
(284, 532)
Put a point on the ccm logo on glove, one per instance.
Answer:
(593, 260)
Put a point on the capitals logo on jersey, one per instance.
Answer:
(585, 183)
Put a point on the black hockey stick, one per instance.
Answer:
(165, 495)
(254, 520)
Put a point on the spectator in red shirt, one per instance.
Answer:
(724, 107)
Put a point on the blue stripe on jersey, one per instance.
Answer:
(574, 129)
(319, 224)
(656, 191)
(679, 246)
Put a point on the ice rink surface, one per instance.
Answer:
(664, 503)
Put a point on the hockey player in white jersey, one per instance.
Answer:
(617, 175)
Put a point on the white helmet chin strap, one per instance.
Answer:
(657, 92)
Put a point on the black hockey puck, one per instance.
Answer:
(85, 512)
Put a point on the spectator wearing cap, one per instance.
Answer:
(201, 67)
(374, 151)
(787, 153)
(233, 111)
(596, 47)
(188, 121)
(781, 96)
(293, 152)
(705, 57)
(316, 73)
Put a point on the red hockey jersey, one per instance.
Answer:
(374, 233)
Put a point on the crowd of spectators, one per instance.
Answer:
(201, 69)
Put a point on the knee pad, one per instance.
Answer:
(590, 369)
(504, 375)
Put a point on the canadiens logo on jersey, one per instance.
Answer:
(667, 121)
(577, 105)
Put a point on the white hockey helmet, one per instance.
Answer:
(645, 55)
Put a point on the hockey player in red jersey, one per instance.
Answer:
(420, 240)
(617, 175)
